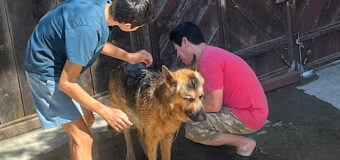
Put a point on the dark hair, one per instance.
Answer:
(189, 30)
(135, 12)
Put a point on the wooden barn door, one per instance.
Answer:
(169, 14)
(263, 32)
(17, 21)
(318, 24)
(255, 30)
(235, 25)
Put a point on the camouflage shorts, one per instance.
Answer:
(221, 122)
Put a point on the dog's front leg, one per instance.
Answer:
(166, 144)
(141, 138)
(130, 155)
(151, 143)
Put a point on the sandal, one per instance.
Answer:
(240, 157)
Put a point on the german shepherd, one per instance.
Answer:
(156, 102)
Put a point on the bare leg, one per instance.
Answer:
(88, 117)
(244, 146)
(89, 120)
(80, 140)
(130, 155)
(166, 144)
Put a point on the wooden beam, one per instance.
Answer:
(291, 39)
(223, 22)
(262, 47)
(18, 121)
(31, 122)
(322, 61)
(154, 45)
(280, 81)
(19, 126)
(273, 73)
(320, 32)
(283, 40)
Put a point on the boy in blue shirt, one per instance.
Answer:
(65, 42)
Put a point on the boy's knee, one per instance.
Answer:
(90, 120)
(82, 140)
(88, 117)
(200, 133)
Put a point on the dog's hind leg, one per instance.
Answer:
(130, 155)
(141, 137)
(165, 145)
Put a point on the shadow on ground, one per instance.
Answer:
(301, 127)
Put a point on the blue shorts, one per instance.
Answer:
(53, 106)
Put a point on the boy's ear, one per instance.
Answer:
(194, 64)
(185, 41)
(128, 25)
(168, 75)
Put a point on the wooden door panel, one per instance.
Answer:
(11, 106)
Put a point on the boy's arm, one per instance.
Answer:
(113, 51)
(213, 101)
(115, 117)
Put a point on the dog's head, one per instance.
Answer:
(185, 87)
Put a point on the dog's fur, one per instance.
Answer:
(156, 103)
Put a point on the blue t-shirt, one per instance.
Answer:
(75, 30)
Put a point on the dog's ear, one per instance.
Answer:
(194, 64)
(168, 75)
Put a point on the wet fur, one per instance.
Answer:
(157, 103)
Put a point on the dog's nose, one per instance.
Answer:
(199, 116)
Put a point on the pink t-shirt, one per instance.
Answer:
(242, 91)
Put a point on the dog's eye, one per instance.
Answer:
(189, 99)
(201, 97)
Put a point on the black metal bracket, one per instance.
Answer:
(281, 1)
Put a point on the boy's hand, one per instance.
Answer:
(116, 118)
(141, 56)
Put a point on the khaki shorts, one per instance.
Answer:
(216, 124)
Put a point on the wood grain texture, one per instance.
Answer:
(11, 106)
(22, 18)
(25, 125)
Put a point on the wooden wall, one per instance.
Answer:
(262, 32)
(18, 21)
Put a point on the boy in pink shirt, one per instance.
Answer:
(234, 98)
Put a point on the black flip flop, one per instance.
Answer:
(240, 157)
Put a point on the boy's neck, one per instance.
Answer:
(108, 17)
(199, 49)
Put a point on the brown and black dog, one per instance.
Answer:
(157, 103)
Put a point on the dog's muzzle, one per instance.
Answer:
(198, 116)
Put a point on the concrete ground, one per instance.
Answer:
(303, 124)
